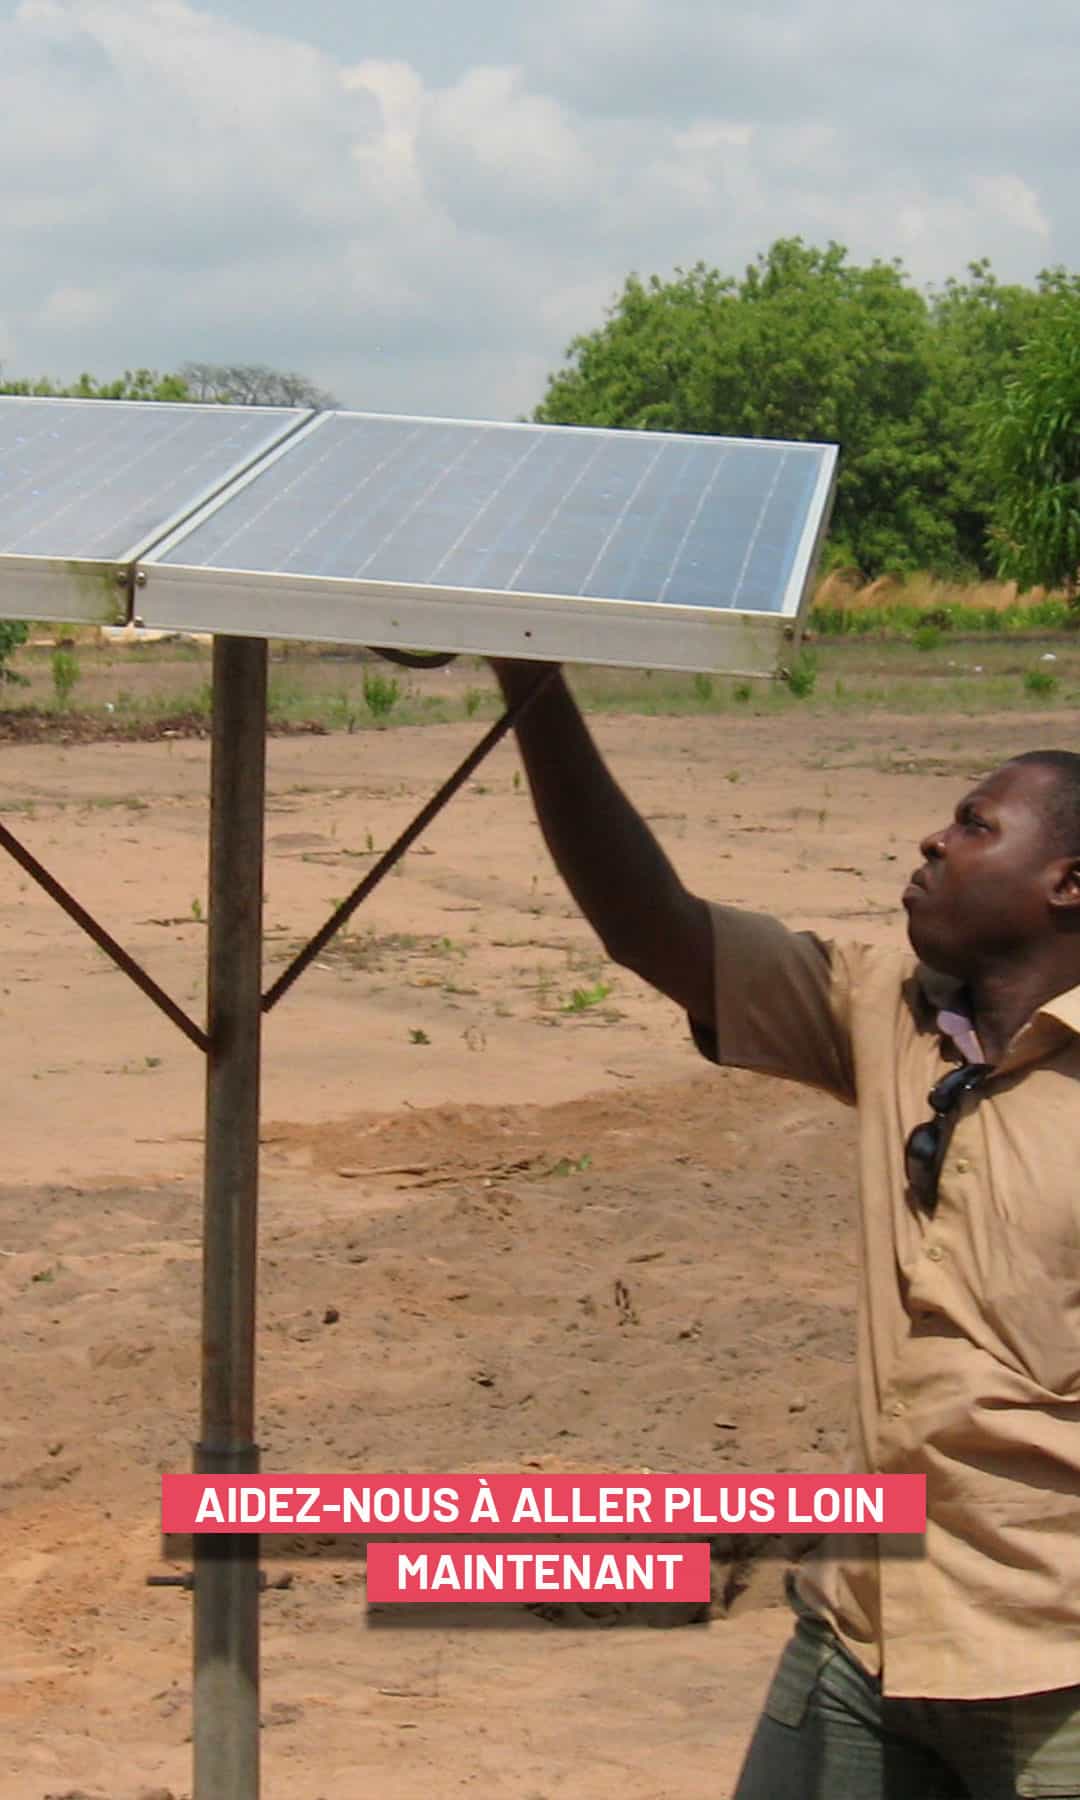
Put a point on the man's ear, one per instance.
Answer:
(1065, 892)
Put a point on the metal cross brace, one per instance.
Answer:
(152, 989)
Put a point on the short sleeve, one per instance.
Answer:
(782, 1003)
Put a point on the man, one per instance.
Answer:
(956, 1671)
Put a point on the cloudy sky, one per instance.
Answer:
(417, 203)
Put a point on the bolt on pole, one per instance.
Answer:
(226, 1568)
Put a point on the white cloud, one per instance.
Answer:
(69, 306)
(180, 184)
(1014, 201)
(490, 128)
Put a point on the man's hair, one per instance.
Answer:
(1061, 808)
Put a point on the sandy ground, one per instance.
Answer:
(461, 1169)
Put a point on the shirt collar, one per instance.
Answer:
(1065, 1008)
(945, 994)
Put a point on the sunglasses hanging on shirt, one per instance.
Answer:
(925, 1149)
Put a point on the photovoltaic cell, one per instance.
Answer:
(92, 480)
(529, 510)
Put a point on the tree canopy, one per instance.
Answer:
(251, 384)
(232, 384)
(134, 384)
(808, 345)
(1033, 453)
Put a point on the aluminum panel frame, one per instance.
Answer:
(531, 627)
(815, 531)
(63, 592)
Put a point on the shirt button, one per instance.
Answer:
(934, 1252)
(897, 1409)
(962, 1165)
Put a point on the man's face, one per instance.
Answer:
(984, 889)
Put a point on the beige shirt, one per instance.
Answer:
(968, 1322)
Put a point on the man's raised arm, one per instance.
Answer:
(611, 862)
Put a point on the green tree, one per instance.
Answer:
(979, 328)
(234, 384)
(134, 384)
(1033, 450)
(808, 345)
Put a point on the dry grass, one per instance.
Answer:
(845, 589)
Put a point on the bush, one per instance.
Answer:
(12, 633)
(65, 673)
(802, 676)
(381, 694)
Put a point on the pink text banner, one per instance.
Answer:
(497, 1505)
(513, 1571)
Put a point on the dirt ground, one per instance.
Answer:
(461, 1162)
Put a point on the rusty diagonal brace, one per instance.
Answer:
(103, 940)
(134, 971)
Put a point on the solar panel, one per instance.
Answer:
(644, 548)
(91, 482)
(606, 546)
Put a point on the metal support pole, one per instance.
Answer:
(226, 1569)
